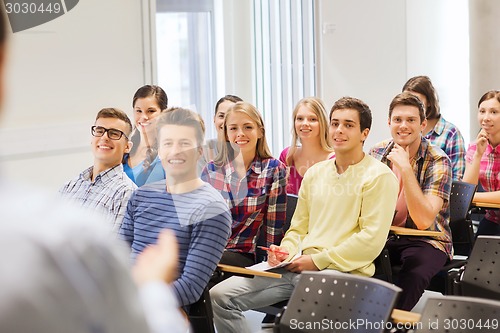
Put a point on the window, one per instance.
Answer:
(184, 54)
(284, 63)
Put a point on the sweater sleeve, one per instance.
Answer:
(208, 240)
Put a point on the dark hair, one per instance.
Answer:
(364, 112)
(182, 117)
(231, 98)
(117, 114)
(162, 100)
(3, 30)
(151, 90)
(423, 85)
(407, 98)
(489, 95)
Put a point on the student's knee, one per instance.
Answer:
(218, 295)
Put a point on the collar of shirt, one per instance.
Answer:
(438, 128)
(424, 143)
(105, 177)
(255, 167)
(490, 149)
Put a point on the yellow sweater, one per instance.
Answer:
(343, 220)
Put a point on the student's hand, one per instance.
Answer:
(158, 262)
(400, 157)
(481, 143)
(302, 263)
(274, 258)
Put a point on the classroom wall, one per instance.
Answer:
(485, 52)
(60, 74)
(362, 54)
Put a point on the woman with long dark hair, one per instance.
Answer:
(142, 164)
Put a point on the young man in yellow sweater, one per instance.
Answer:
(341, 221)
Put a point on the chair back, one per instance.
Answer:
(330, 300)
(291, 204)
(460, 223)
(459, 314)
(481, 277)
(201, 316)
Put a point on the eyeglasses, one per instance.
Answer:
(113, 133)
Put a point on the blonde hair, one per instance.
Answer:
(226, 153)
(316, 106)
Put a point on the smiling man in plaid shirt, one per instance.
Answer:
(425, 176)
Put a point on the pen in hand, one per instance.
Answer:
(271, 250)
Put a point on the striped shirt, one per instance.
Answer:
(489, 174)
(109, 192)
(201, 222)
(432, 168)
(256, 201)
(446, 136)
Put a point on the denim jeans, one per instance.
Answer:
(237, 294)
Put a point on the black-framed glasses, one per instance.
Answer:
(113, 133)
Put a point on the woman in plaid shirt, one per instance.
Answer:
(252, 182)
(483, 160)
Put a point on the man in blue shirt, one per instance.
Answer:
(182, 202)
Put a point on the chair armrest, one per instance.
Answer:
(245, 272)
(483, 204)
(414, 232)
(405, 317)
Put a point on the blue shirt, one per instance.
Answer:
(139, 176)
(201, 221)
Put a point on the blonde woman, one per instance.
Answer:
(252, 182)
(309, 141)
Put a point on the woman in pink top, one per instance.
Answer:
(309, 141)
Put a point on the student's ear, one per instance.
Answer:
(128, 147)
(422, 126)
(364, 134)
(389, 121)
(200, 151)
(261, 132)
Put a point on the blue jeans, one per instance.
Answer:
(233, 296)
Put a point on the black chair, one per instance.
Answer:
(481, 276)
(462, 231)
(459, 314)
(462, 234)
(201, 316)
(333, 299)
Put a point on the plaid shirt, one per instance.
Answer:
(489, 173)
(257, 200)
(109, 192)
(446, 136)
(433, 171)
